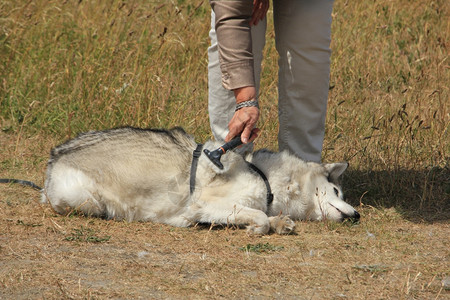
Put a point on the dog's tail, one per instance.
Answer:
(22, 182)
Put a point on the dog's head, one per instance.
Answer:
(327, 198)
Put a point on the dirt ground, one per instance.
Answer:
(47, 256)
(44, 255)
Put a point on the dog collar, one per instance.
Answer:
(195, 156)
(266, 182)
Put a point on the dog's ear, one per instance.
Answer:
(335, 170)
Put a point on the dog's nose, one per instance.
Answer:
(353, 218)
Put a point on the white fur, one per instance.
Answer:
(140, 176)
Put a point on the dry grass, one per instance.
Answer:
(45, 255)
(72, 66)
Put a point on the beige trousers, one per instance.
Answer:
(302, 36)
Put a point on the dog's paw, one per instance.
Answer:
(258, 229)
(282, 224)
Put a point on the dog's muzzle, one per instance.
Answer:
(353, 218)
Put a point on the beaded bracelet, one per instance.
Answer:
(249, 103)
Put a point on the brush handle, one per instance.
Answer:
(214, 156)
(236, 141)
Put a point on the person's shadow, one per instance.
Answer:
(420, 196)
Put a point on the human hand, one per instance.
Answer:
(260, 8)
(244, 119)
(243, 122)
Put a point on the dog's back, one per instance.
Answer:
(172, 140)
(106, 163)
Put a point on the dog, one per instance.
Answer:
(144, 175)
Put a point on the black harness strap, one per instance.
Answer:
(195, 156)
(266, 182)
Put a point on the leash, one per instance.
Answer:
(195, 157)
(22, 182)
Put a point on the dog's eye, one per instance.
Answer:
(336, 191)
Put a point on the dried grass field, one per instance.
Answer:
(71, 66)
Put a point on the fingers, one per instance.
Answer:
(260, 8)
(232, 133)
(236, 127)
(245, 136)
(243, 122)
(254, 135)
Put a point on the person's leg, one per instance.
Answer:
(303, 35)
(221, 102)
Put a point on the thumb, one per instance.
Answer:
(245, 136)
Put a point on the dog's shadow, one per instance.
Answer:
(214, 227)
(419, 196)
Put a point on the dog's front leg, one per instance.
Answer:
(257, 221)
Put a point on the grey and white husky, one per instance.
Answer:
(143, 175)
